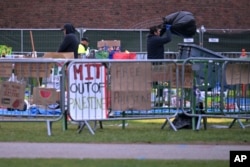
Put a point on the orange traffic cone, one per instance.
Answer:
(243, 53)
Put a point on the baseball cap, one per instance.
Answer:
(85, 39)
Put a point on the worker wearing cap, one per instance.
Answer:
(70, 41)
(83, 49)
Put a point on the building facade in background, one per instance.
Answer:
(121, 14)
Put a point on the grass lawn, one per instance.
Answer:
(143, 131)
(108, 163)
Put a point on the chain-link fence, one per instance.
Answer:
(48, 40)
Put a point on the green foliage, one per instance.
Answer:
(5, 50)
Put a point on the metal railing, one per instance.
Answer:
(29, 91)
(220, 90)
(85, 90)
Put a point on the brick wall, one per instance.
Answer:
(120, 14)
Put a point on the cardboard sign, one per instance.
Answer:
(131, 86)
(173, 72)
(12, 95)
(59, 55)
(87, 91)
(6, 69)
(33, 69)
(131, 100)
(237, 73)
(45, 96)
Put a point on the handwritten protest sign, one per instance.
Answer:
(12, 95)
(6, 69)
(131, 86)
(237, 73)
(87, 91)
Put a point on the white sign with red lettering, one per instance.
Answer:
(87, 91)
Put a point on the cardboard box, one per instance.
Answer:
(33, 69)
(59, 55)
(45, 96)
(108, 43)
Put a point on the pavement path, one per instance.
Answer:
(117, 151)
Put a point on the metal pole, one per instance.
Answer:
(140, 40)
(21, 40)
(202, 30)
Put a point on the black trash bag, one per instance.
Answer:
(182, 121)
(183, 24)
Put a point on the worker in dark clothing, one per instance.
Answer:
(70, 42)
(155, 50)
(155, 42)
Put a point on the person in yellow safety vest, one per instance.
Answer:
(83, 49)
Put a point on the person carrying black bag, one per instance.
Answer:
(155, 42)
(155, 48)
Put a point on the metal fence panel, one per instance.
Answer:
(100, 90)
(220, 90)
(48, 40)
(29, 90)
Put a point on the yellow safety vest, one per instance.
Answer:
(81, 49)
